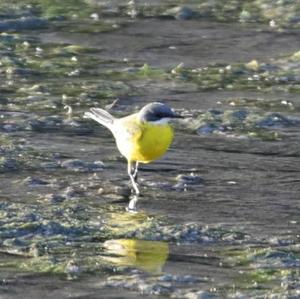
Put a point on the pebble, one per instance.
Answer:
(82, 166)
(185, 180)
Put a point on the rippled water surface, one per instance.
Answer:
(219, 214)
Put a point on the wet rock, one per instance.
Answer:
(188, 234)
(285, 79)
(155, 289)
(49, 228)
(275, 120)
(7, 164)
(53, 123)
(233, 236)
(211, 128)
(34, 182)
(215, 112)
(268, 67)
(31, 217)
(47, 123)
(184, 181)
(280, 241)
(182, 13)
(82, 166)
(10, 127)
(159, 185)
(109, 188)
(142, 285)
(240, 114)
(71, 125)
(20, 71)
(188, 279)
(14, 242)
(173, 286)
(49, 165)
(26, 23)
(54, 198)
(71, 192)
(276, 259)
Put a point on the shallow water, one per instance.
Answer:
(219, 214)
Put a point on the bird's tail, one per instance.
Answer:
(101, 116)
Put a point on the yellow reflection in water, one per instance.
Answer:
(146, 255)
(122, 223)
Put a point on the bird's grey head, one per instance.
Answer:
(157, 112)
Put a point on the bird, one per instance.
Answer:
(141, 137)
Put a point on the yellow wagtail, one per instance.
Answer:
(140, 137)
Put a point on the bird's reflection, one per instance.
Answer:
(149, 256)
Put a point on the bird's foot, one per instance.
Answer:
(132, 204)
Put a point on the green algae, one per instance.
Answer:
(264, 104)
(55, 61)
(50, 235)
(262, 11)
(240, 124)
(5, 142)
(69, 8)
(30, 232)
(281, 13)
(268, 281)
(255, 273)
(248, 76)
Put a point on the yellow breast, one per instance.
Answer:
(144, 142)
(153, 143)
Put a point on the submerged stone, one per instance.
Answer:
(25, 23)
(184, 181)
(182, 13)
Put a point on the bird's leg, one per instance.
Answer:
(133, 181)
(135, 173)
